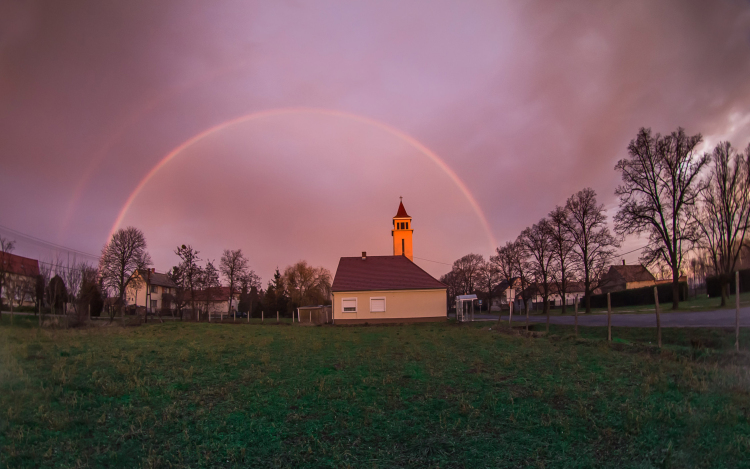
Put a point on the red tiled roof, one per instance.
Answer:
(382, 273)
(631, 273)
(156, 278)
(18, 265)
(401, 211)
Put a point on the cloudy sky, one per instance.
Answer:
(290, 129)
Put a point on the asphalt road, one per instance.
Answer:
(717, 318)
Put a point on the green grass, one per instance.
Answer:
(429, 395)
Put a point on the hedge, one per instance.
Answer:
(713, 286)
(638, 296)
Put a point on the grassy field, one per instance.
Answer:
(430, 395)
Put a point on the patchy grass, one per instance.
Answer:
(429, 395)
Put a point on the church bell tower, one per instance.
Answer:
(402, 233)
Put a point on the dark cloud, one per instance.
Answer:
(526, 102)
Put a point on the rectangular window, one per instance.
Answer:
(154, 289)
(153, 304)
(349, 305)
(377, 305)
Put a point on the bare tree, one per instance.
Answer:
(122, 257)
(234, 267)
(594, 245)
(71, 275)
(562, 246)
(512, 267)
(488, 278)
(525, 277)
(505, 261)
(208, 281)
(660, 187)
(536, 242)
(75, 276)
(725, 213)
(307, 285)
(467, 269)
(187, 275)
(451, 279)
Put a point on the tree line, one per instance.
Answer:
(680, 200)
(79, 289)
(195, 278)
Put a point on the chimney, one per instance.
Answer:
(364, 255)
(623, 262)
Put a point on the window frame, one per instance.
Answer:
(343, 308)
(378, 298)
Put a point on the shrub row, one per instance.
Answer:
(713, 285)
(639, 296)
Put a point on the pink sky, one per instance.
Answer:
(525, 102)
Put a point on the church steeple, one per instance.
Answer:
(402, 233)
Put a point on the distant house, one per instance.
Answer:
(626, 277)
(150, 289)
(388, 289)
(573, 290)
(215, 301)
(22, 272)
(504, 293)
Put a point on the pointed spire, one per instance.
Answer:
(401, 210)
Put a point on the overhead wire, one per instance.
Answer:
(49, 244)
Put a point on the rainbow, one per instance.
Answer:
(325, 112)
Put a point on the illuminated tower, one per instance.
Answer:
(402, 233)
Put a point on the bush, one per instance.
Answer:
(713, 284)
(639, 296)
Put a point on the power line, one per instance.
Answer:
(429, 260)
(634, 250)
(49, 243)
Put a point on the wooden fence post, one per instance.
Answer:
(609, 318)
(262, 316)
(510, 314)
(658, 318)
(737, 314)
(277, 316)
(576, 314)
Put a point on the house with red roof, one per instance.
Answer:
(19, 275)
(388, 289)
